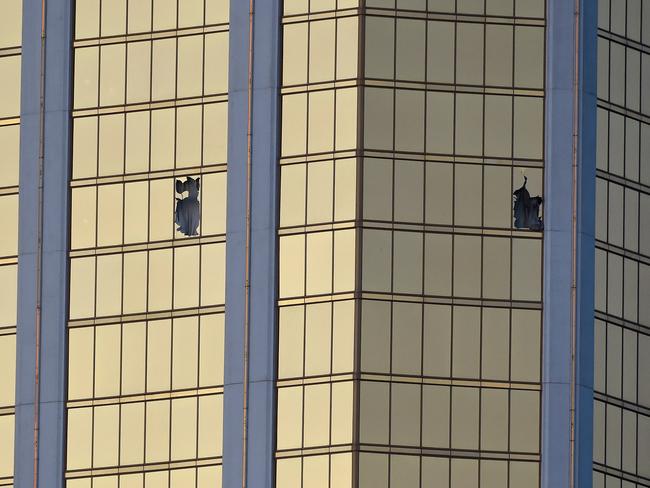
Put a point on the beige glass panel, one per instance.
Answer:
(524, 474)
(217, 11)
(343, 337)
(138, 71)
(137, 142)
(132, 480)
(614, 284)
(345, 186)
(111, 144)
(346, 118)
(469, 124)
(405, 471)
(79, 438)
(113, 18)
(112, 73)
(440, 123)
(296, 7)
(292, 265)
(209, 477)
(496, 268)
(78, 483)
(157, 431)
(134, 345)
(9, 237)
(529, 57)
(8, 299)
(435, 470)
(86, 19)
(378, 119)
(405, 414)
(470, 6)
(412, 4)
(466, 342)
(320, 192)
(494, 474)
(109, 285)
(435, 416)
(162, 139)
(409, 120)
(467, 266)
(464, 473)
(409, 188)
(347, 34)
(190, 13)
(469, 53)
(109, 214)
(374, 416)
(600, 359)
(526, 269)
(161, 209)
(500, 7)
(437, 340)
(213, 203)
(630, 364)
(340, 471)
(315, 471)
(190, 66)
(498, 126)
(468, 194)
(10, 86)
(294, 54)
(497, 198)
(292, 195)
(498, 52)
(410, 45)
(8, 369)
(629, 450)
(294, 128)
(377, 189)
(106, 434)
(380, 39)
(180, 478)
(210, 433)
(613, 435)
(289, 428)
(317, 415)
(319, 263)
(614, 360)
(465, 418)
(82, 287)
(524, 421)
(318, 342)
(213, 274)
(439, 193)
(139, 16)
(84, 207)
(80, 363)
(183, 428)
(375, 336)
(186, 277)
(156, 479)
(107, 360)
(86, 77)
(529, 8)
(377, 247)
(344, 260)
(288, 472)
(526, 345)
(440, 50)
(10, 141)
(163, 85)
(407, 262)
(373, 470)
(185, 350)
(211, 346)
(528, 127)
(136, 201)
(494, 419)
(322, 5)
(291, 342)
(322, 45)
(216, 70)
(495, 341)
(164, 14)
(158, 355)
(321, 122)
(342, 413)
(135, 283)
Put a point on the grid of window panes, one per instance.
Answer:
(317, 235)
(10, 52)
(450, 323)
(444, 335)
(622, 326)
(146, 327)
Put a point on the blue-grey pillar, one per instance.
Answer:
(558, 383)
(265, 128)
(53, 271)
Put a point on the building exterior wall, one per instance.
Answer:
(622, 326)
(146, 316)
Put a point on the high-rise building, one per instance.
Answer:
(325, 243)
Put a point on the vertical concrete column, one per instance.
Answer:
(53, 270)
(263, 270)
(558, 384)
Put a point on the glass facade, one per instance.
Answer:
(10, 57)
(409, 305)
(146, 313)
(622, 325)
